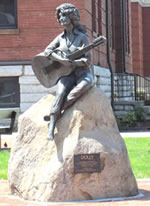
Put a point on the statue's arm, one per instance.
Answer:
(51, 53)
(51, 47)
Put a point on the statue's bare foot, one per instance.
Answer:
(50, 137)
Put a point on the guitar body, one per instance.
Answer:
(48, 71)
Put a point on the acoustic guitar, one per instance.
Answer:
(48, 71)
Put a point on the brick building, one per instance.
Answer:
(140, 36)
(27, 27)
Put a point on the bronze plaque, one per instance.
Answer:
(87, 163)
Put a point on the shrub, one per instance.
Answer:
(140, 113)
(130, 118)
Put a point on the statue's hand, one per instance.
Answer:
(67, 62)
(81, 62)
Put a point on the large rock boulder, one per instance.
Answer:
(44, 170)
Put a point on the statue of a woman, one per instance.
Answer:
(70, 87)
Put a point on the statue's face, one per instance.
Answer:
(64, 19)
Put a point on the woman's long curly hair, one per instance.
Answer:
(73, 13)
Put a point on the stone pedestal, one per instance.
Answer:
(44, 171)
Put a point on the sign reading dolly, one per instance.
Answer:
(87, 163)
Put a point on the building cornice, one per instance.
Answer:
(143, 3)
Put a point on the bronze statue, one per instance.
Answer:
(68, 51)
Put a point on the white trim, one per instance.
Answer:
(135, 134)
(143, 3)
(12, 71)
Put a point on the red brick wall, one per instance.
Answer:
(37, 26)
(120, 65)
(141, 39)
(137, 38)
(99, 53)
(146, 40)
(116, 53)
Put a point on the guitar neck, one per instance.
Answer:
(80, 52)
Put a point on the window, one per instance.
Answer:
(113, 46)
(9, 92)
(127, 28)
(99, 17)
(8, 14)
(96, 16)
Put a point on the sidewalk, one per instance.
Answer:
(135, 134)
(142, 200)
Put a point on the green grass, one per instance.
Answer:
(4, 157)
(139, 154)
